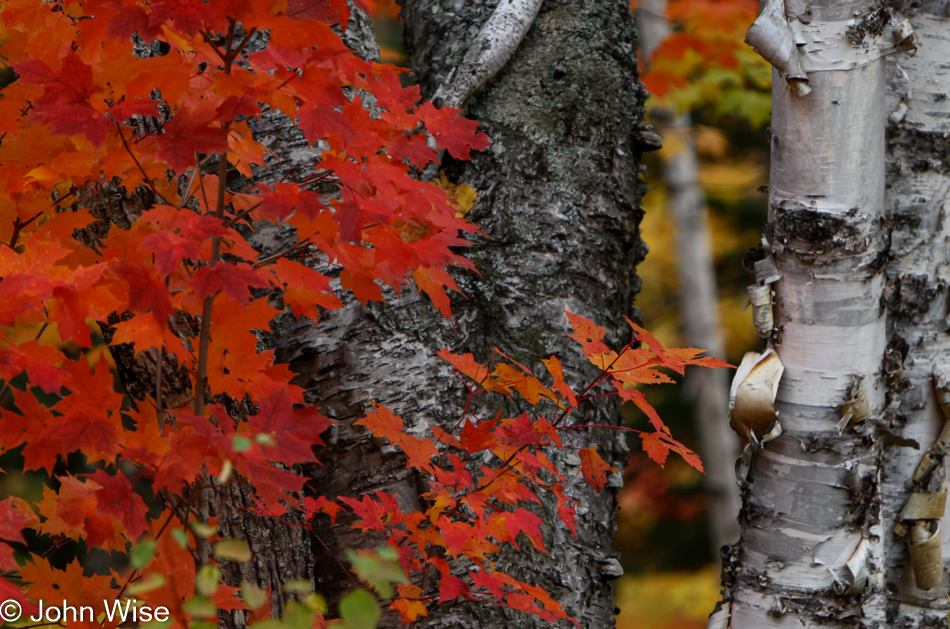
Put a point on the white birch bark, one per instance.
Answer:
(699, 303)
(916, 298)
(809, 528)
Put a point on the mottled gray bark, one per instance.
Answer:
(559, 202)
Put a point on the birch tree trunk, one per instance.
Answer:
(916, 362)
(559, 201)
(699, 303)
(811, 522)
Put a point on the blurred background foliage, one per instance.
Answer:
(702, 68)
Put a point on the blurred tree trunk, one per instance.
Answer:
(699, 302)
(702, 326)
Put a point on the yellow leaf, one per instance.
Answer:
(463, 193)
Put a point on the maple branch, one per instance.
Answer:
(17, 226)
(136, 573)
(591, 397)
(280, 254)
(244, 42)
(202, 548)
(227, 46)
(191, 180)
(231, 221)
(42, 329)
(639, 432)
(330, 553)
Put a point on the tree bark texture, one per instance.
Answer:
(916, 361)
(811, 525)
(559, 202)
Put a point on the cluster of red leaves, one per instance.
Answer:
(709, 31)
(87, 115)
(484, 476)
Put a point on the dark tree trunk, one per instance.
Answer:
(559, 203)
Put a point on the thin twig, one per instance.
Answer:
(158, 390)
(145, 177)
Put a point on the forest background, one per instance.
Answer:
(699, 71)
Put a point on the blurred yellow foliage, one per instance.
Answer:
(730, 178)
(667, 600)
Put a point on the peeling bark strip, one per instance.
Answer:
(810, 520)
(493, 47)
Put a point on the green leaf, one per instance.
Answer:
(232, 549)
(207, 579)
(200, 607)
(241, 443)
(141, 554)
(181, 537)
(298, 586)
(265, 439)
(359, 610)
(150, 582)
(268, 623)
(253, 596)
(315, 600)
(298, 616)
(754, 106)
(201, 529)
(157, 624)
(227, 468)
(379, 569)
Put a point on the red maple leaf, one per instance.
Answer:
(451, 587)
(655, 447)
(466, 364)
(589, 335)
(234, 279)
(296, 432)
(64, 105)
(375, 514)
(115, 498)
(506, 525)
(452, 132)
(594, 468)
(146, 291)
(189, 132)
